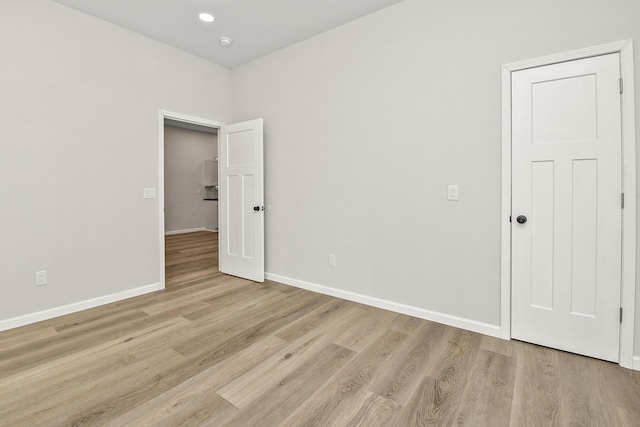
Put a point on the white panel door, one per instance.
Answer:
(566, 181)
(241, 200)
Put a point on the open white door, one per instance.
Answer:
(241, 200)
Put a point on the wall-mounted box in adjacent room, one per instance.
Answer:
(210, 173)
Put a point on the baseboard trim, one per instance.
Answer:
(188, 230)
(446, 319)
(636, 363)
(75, 307)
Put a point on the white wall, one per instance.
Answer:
(366, 125)
(79, 124)
(184, 207)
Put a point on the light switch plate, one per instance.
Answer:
(452, 192)
(149, 193)
(332, 260)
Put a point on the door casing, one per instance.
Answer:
(628, 268)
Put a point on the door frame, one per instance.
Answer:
(184, 119)
(628, 268)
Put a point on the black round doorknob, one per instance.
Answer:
(521, 219)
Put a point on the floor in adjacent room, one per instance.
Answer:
(218, 350)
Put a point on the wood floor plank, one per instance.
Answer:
(325, 405)
(360, 334)
(88, 397)
(119, 392)
(445, 375)
(422, 409)
(400, 380)
(247, 324)
(268, 373)
(497, 345)
(279, 287)
(273, 406)
(69, 345)
(60, 391)
(626, 393)
(190, 256)
(488, 395)
(452, 370)
(192, 297)
(182, 403)
(9, 342)
(218, 350)
(405, 324)
(57, 372)
(580, 405)
(206, 408)
(376, 411)
(627, 417)
(536, 394)
(322, 316)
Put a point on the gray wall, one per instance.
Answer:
(184, 207)
(79, 140)
(365, 127)
(375, 118)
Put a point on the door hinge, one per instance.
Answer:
(621, 85)
(620, 314)
(509, 218)
(622, 200)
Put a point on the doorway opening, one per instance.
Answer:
(200, 200)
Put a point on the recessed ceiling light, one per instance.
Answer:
(206, 17)
(225, 41)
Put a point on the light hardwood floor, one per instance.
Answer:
(218, 350)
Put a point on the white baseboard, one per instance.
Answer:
(446, 319)
(211, 231)
(74, 307)
(636, 363)
(188, 230)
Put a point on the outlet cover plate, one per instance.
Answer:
(41, 278)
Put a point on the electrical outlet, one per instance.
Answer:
(41, 278)
(332, 260)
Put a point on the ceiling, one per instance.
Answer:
(257, 27)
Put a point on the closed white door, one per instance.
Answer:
(566, 185)
(241, 199)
